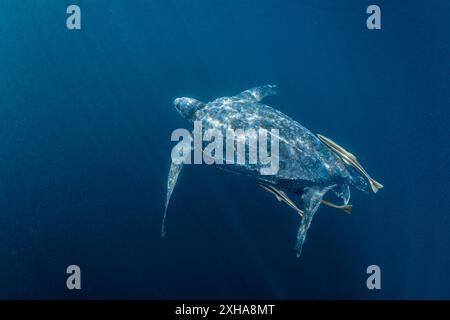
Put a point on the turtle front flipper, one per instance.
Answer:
(174, 172)
(180, 152)
(257, 93)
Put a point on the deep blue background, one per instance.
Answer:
(85, 124)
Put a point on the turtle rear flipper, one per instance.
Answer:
(342, 191)
(311, 198)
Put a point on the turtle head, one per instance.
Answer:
(187, 107)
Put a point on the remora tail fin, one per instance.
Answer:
(375, 185)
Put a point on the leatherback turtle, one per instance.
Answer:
(309, 165)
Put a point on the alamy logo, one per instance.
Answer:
(74, 280)
(242, 147)
(373, 22)
(374, 280)
(73, 22)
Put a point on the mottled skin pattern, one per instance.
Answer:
(303, 159)
(307, 166)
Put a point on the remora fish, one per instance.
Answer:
(350, 159)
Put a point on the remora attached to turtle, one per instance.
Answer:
(309, 165)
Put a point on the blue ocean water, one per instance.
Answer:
(85, 123)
